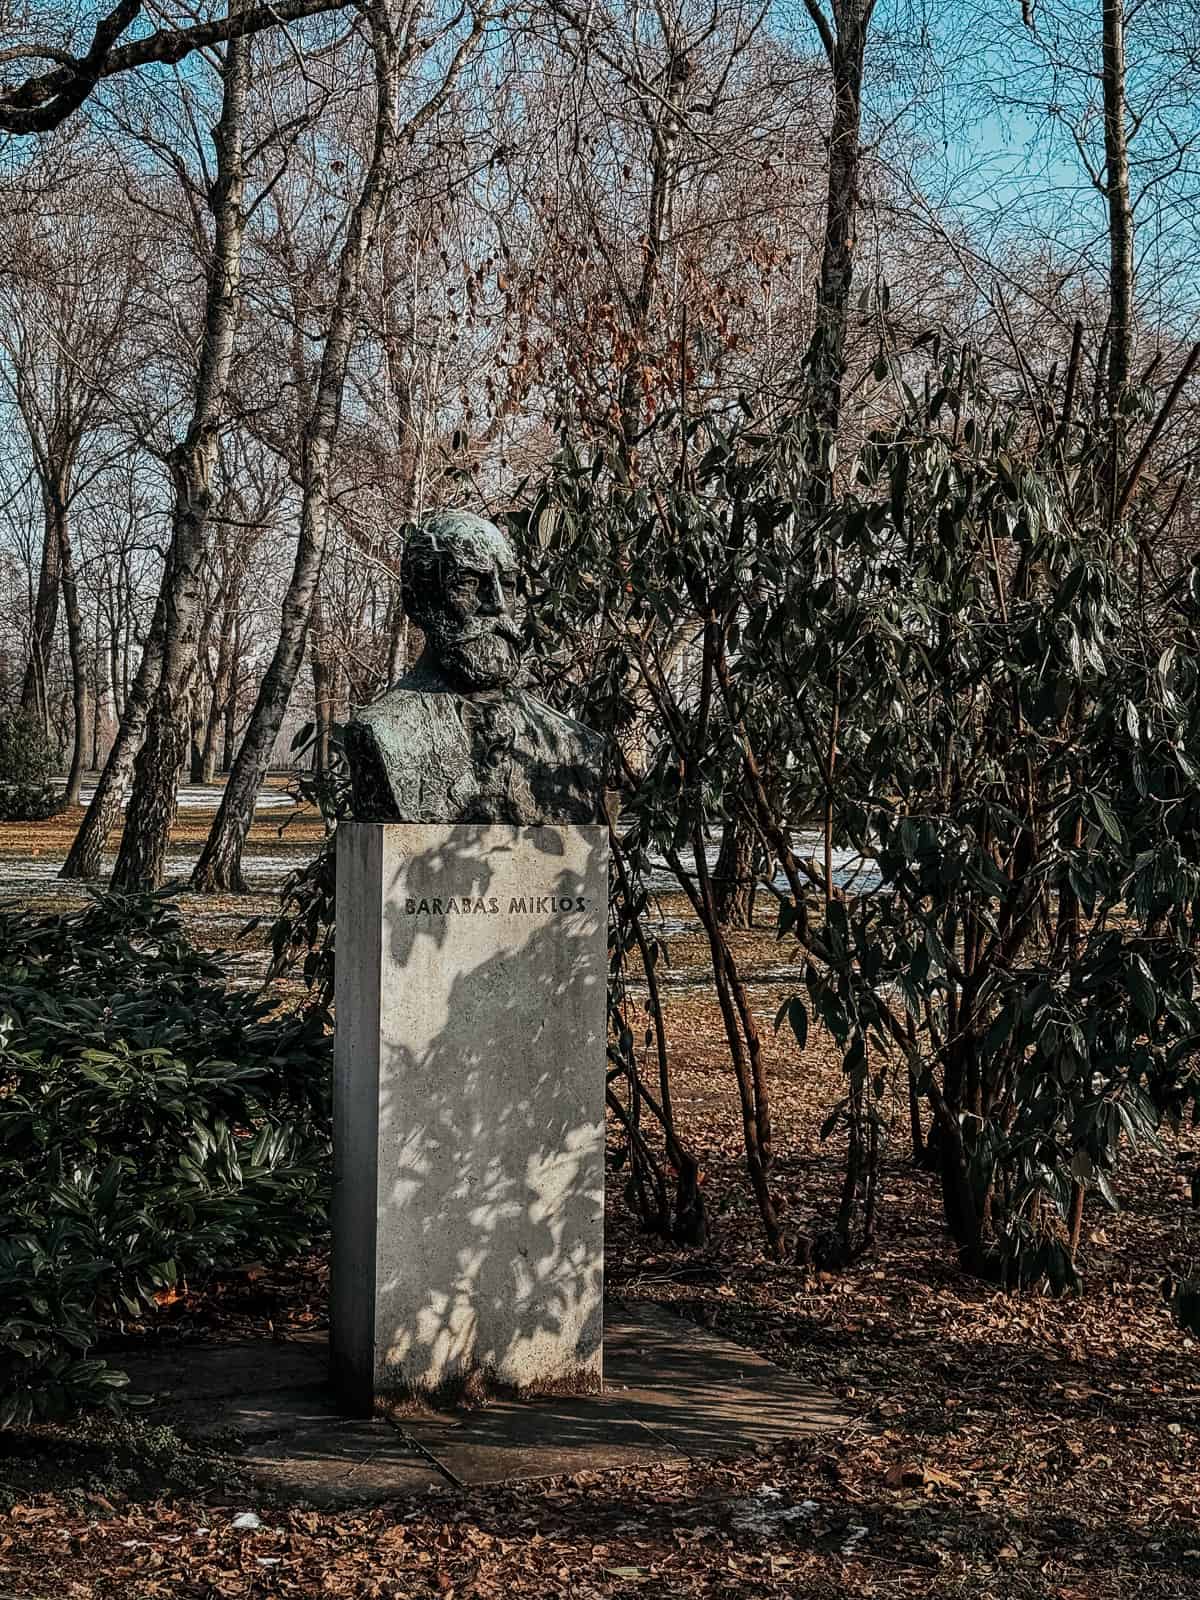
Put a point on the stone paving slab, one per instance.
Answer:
(510, 1440)
(672, 1392)
(710, 1397)
(335, 1461)
(270, 1405)
(209, 1372)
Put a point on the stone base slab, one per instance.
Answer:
(673, 1393)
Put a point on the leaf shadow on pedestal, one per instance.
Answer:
(489, 1223)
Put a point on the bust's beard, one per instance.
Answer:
(485, 660)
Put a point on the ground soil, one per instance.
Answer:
(1006, 1446)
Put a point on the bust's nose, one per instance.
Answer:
(492, 602)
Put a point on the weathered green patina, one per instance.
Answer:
(457, 739)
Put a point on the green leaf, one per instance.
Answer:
(797, 1015)
(1107, 818)
(1141, 986)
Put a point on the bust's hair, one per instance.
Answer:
(421, 574)
(434, 547)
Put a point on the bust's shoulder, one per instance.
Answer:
(563, 731)
(401, 705)
(405, 712)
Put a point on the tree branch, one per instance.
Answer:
(44, 102)
(821, 24)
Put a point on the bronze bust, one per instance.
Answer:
(457, 739)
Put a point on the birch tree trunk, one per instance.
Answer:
(199, 716)
(45, 621)
(220, 863)
(397, 632)
(104, 706)
(156, 768)
(104, 811)
(322, 681)
(223, 686)
(116, 675)
(229, 727)
(79, 670)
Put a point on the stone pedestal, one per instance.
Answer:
(468, 1108)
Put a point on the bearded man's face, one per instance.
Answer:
(470, 628)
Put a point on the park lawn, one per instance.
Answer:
(285, 839)
(53, 837)
(1003, 1447)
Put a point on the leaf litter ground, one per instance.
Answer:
(1005, 1446)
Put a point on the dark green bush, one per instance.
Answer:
(27, 802)
(28, 761)
(155, 1124)
(953, 659)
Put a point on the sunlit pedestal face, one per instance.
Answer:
(469, 1107)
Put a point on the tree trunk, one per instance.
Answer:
(150, 816)
(397, 633)
(103, 814)
(322, 679)
(152, 803)
(229, 726)
(845, 47)
(1120, 206)
(663, 113)
(34, 697)
(116, 674)
(102, 709)
(208, 752)
(220, 863)
(223, 687)
(199, 718)
(127, 675)
(97, 701)
(733, 875)
(79, 684)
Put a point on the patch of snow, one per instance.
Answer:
(764, 1511)
(31, 874)
(208, 796)
(849, 868)
(855, 1534)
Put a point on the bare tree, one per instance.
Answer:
(669, 218)
(251, 494)
(149, 736)
(152, 801)
(1109, 89)
(1119, 201)
(395, 41)
(67, 293)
